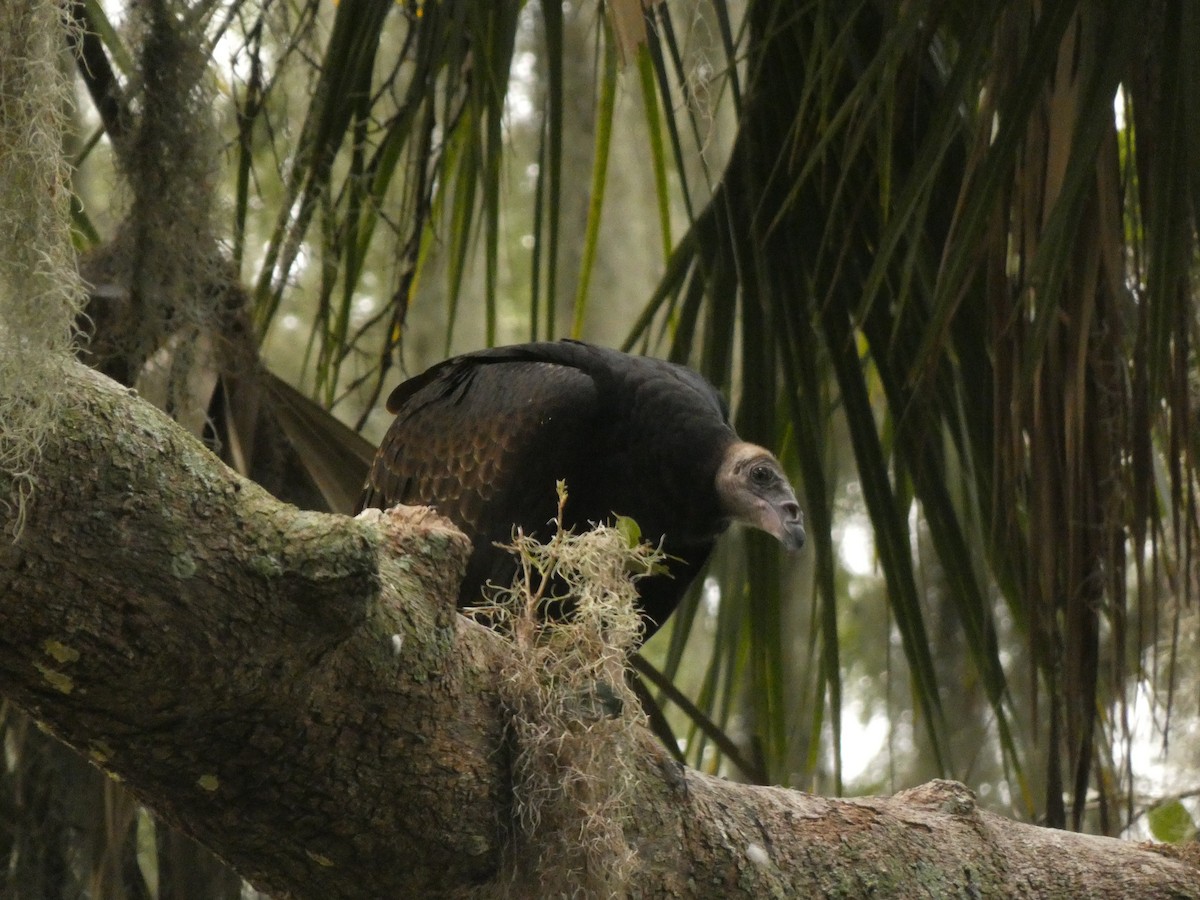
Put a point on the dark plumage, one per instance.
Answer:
(483, 437)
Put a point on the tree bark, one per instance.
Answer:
(297, 691)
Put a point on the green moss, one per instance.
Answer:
(266, 566)
(60, 652)
(183, 566)
(57, 680)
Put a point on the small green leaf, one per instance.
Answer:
(629, 530)
(1171, 823)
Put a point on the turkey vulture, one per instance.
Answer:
(483, 438)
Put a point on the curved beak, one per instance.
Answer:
(788, 522)
(779, 515)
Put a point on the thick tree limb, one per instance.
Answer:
(297, 691)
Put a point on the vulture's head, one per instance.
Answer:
(752, 489)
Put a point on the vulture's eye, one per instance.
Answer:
(762, 475)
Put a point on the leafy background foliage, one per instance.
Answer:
(942, 256)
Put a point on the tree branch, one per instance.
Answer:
(297, 691)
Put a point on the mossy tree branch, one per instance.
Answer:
(297, 691)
